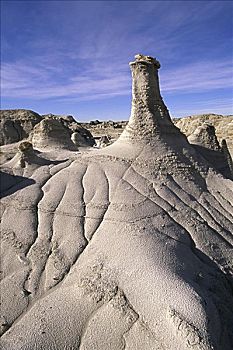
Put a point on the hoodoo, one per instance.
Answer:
(149, 115)
(128, 247)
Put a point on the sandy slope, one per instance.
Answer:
(129, 247)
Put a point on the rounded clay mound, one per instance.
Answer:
(51, 133)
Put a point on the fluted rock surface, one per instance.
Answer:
(128, 248)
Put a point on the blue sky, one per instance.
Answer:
(71, 57)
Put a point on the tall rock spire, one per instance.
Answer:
(149, 115)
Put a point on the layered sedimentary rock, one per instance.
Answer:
(204, 135)
(82, 137)
(79, 135)
(103, 141)
(227, 156)
(16, 124)
(206, 143)
(51, 133)
(127, 248)
(223, 126)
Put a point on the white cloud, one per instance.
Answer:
(205, 106)
(100, 80)
(32, 81)
(198, 77)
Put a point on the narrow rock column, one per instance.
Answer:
(149, 115)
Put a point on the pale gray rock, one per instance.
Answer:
(16, 124)
(205, 136)
(65, 118)
(66, 128)
(103, 141)
(206, 143)
(7, 152)
(82, 137)
(51, 133)
(223, 126)
(77, 139)
(227, 156)
(128, 247)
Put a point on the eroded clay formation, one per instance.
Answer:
(223, 126)
(49, 130)
(128, 247)
(205, 142)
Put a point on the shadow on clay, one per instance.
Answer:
(10, 184)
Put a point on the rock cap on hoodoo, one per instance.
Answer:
(146, 59)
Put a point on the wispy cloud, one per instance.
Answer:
(103, 80)
(198, 77)
(40, 82)
(202, 105)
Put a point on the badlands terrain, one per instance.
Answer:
(127, 246)
(223, 125)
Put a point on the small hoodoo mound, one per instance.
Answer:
(205, 136)
(205, 141)
(51, 133)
